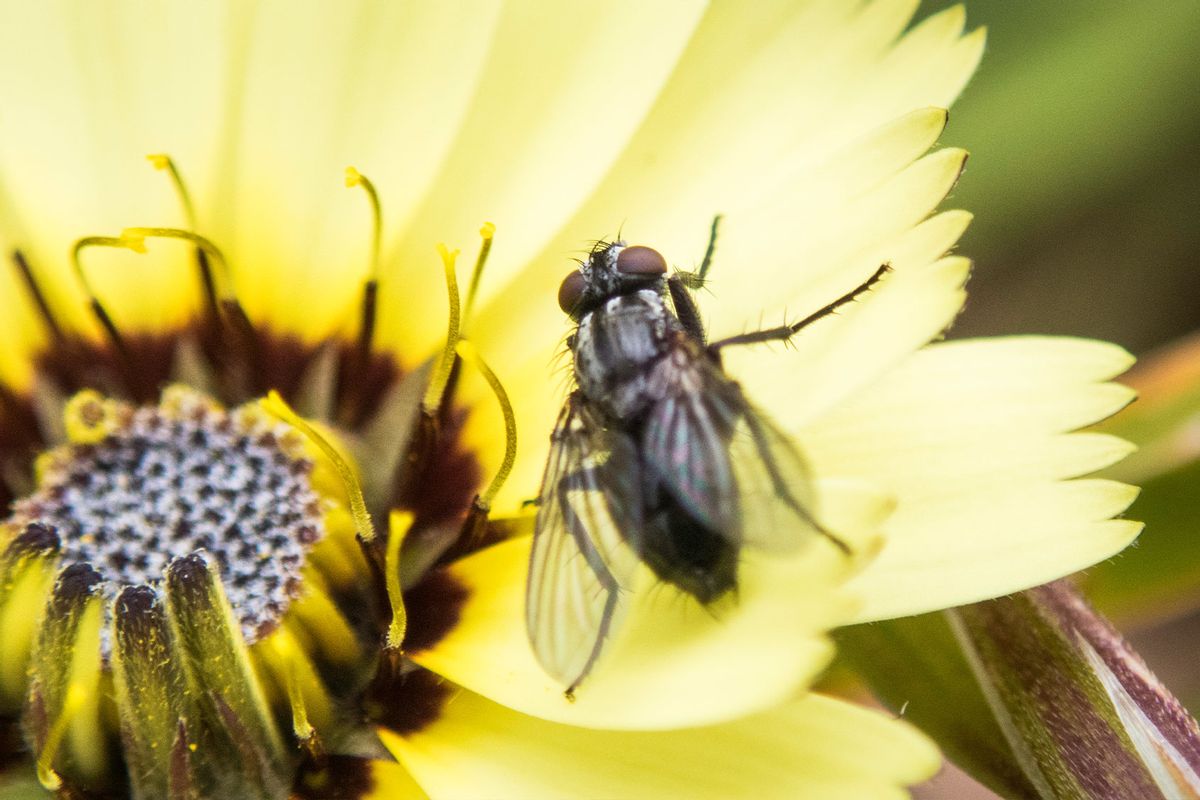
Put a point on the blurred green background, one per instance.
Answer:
(1083, 124)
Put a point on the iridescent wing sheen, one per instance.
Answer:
(775, 486)
(590, 508)
(725, 462)
(685, 443)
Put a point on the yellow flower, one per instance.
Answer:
(194, 600)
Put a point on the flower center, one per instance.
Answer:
(140, 486)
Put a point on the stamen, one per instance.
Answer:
(441, 373)
(352, 400)
(93, 301)
(487, 232)
(135, 237)
(161, 161)
(399, 524)
(38, 296)
(47, 776)
(356, 178)
(219, 285)
(284, 649)
(468, 352)
(274, 404)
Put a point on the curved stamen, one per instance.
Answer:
(356, 178)
(487, 233)
(399, 524)
(274, 404)
(135, 239)
(441, 373)
(220, 291)
(161, 161)
(164, 162)
(80, 275)
(284, 649)
(368, 313)
(468, 352)
(38, 296)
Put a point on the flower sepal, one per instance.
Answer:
(1083, 714)
(27, 569)
(65, 695)
(185, 688)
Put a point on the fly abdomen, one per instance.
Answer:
(684, 552)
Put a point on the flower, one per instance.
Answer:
(944, 466)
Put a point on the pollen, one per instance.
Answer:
(184, 476)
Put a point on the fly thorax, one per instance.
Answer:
(617, 347)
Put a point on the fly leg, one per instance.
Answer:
(785, 332)
(682, 284)
(685, 307)
(761, 440)
(708, 251)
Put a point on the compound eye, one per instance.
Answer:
(639, 260)
(571, 292)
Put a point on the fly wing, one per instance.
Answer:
(725, 462)
(775, 485)
(590, 507)
(686, 438)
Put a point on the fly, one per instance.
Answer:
(657, 457)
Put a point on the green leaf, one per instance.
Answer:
(1039, 118)
(915, 666)
(1081, 711)
(1035, 695)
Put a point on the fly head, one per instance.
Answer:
(612, 268)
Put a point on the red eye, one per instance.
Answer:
(571, 291)
(639, 260)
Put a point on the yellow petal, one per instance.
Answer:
(814, 747)
(838, 220)
(127, 80)
(972, 439)
(838, 357)
(748, 95)
(380, 86)
(563, 89)
(659, 670)
(814, 239)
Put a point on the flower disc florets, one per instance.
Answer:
(140, 486)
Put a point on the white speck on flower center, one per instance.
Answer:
(164, 483)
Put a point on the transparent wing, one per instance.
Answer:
(590, 506)
(726, 463)
(774, 484)
(685, 443)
